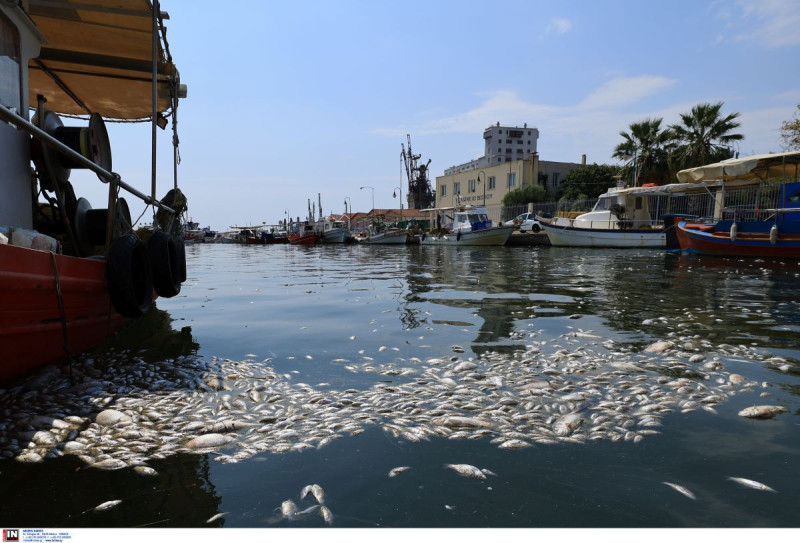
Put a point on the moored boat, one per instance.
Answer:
(70, 275)
(756, 211)
(386, 237)
(467, 226)
(621, 218)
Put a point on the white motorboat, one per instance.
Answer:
(620, 218)
(470, 226)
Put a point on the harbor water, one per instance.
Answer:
(523, 387)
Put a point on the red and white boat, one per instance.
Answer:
(70, 275)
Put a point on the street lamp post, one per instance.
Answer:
(373, 194)
(484, 184)
(394, 195)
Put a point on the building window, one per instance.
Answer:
(10, 65)
(457, 187)
(491, 182)
(508, 141)
(472, 185)
(444, 190)
(554, 182)
(519, 142)
(512, 180)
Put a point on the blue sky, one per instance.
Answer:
(291, 99)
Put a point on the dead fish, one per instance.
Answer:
(326, 515)
(488, 472)
(145, 470)
(462, 422)
(466, 470)
(216, 517)
(685, 491)
(762, 411)
(208, 441)
(514, 444)
(659, 347)
(105, 506)
(318, 493)
(110, 417)
(751, 484)
(567, 424)
(398, 470)
(289, 509)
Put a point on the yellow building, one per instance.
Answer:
(486, 185)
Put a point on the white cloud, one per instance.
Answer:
(771, 23)
(625, 90)
(558, 25)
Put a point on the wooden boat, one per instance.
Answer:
(302, 234)
(468, 225)
(70, 275)
(387, 237)
(765, 224)
(621, 218)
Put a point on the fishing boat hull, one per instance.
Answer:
(710, 240)
(387, 238)
(305, 239)
(566, 236)
(489, 236)
(31, 324)
(337, 235)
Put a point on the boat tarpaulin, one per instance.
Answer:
(100, 53)
(770, 166)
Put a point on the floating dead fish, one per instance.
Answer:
(289, 509)
(751, 484)
(145, 470)
(105, 506)
(514, 444)
(394, 472)
(567, 424)
(685, 491)
(216, 517)
(326, 515)
(659, 347)
(209, 441)
(762, 411)
(463, 422)
(466, 470)
(109, 417)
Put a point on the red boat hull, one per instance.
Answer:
(700, 239)
(308, 239)
(31, 331)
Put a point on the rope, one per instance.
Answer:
(62, 312)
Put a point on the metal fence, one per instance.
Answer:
(740, 204)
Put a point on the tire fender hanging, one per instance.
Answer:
(165, 264)
(129, 277)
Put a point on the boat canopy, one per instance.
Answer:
(98, 58)
(777, 165)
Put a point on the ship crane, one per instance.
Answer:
(420, 195)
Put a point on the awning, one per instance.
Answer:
(777, 165)
(100, 53)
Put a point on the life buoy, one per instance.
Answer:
(165, 264)
(129, 277)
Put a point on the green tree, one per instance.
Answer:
(644, 152)
(525, 195)
(589, 181)
(703, 136)
(790, 131)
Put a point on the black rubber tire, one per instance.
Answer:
(535, 228)
(180, 246)
(129, 278)
(164, 263)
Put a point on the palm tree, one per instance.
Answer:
(703, 136)
(644, 151)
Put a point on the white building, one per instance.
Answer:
(502, 144)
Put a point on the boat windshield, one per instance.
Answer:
(603, 203)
